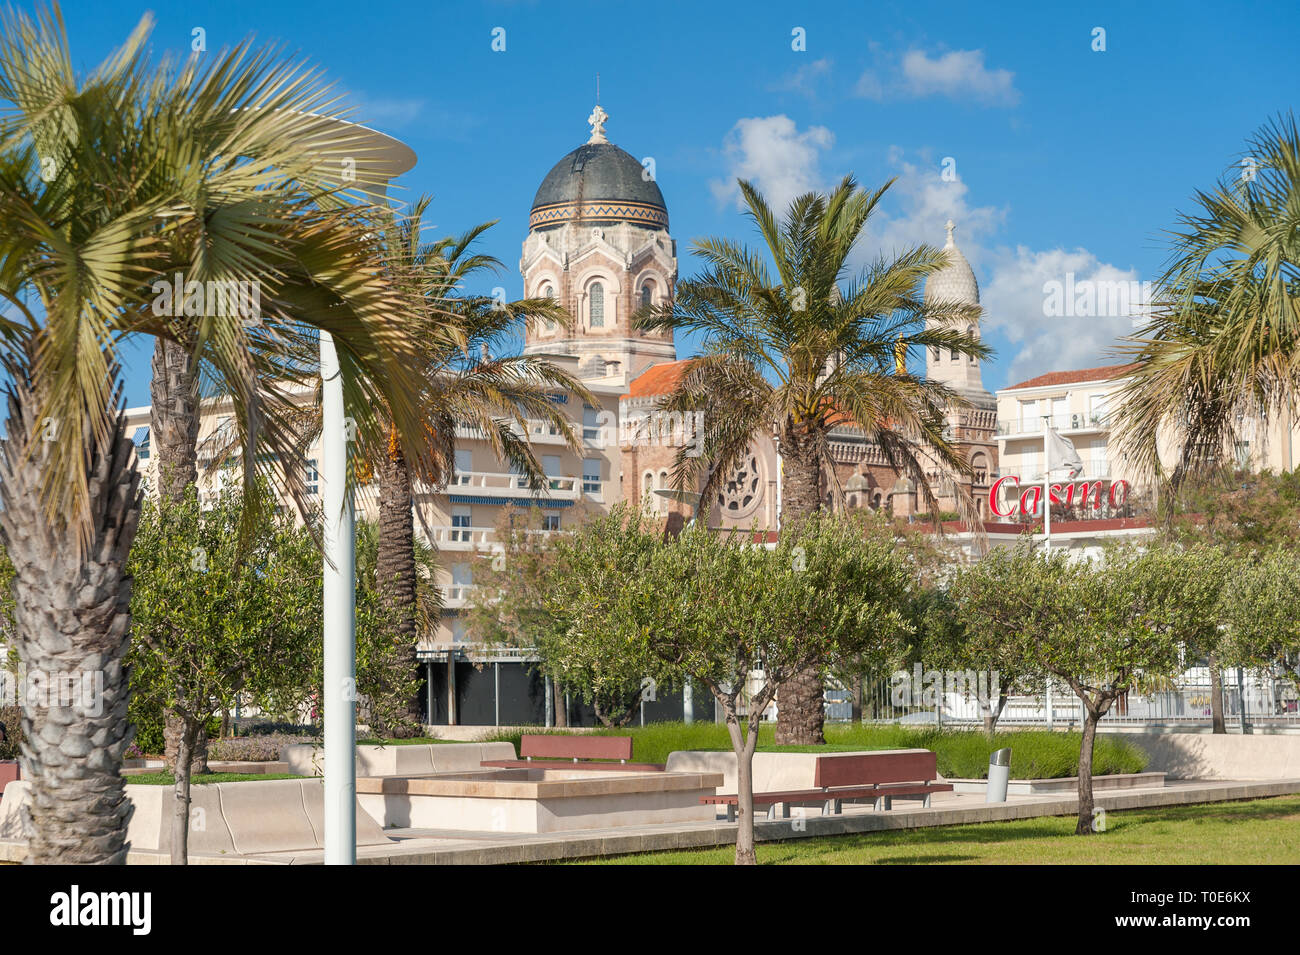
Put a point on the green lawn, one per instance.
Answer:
(166, 779)
(962, 754)
(1259, 831)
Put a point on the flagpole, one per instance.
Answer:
(1047, 494)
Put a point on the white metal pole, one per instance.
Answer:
(1047, 496)
(340, 620)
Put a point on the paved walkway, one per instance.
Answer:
(458, 847)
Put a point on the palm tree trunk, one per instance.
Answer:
(174, 446)
(395, 567)
(72, 617)
(800, 717)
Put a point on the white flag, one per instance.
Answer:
(1061, 454)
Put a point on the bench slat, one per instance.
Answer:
(554, 746)
(859, 768)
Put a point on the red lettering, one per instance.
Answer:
(1027, 509)
(993, 495)
(1121, 499)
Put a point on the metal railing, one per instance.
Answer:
(1263, 698)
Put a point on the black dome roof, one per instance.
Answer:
(598, 182)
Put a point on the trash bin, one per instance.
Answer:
(999, 773)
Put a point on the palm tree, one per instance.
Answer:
(89, 224)
(1222, 345)
(795, 352)
(466, 384)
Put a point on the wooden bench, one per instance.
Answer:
(851, 777)
(582, 752)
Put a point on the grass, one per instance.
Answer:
(1254, 832)
(202, 779)
(962, 754)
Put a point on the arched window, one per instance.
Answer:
(548, 291)
(647, 294)
(597, 305)
(934, 353)
(970, 330)
(648, 491)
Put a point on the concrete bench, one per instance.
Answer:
(306, 759)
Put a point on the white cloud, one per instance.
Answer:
(1015, 304)
(805, 79)
(917, 207)
(772, 153)
(957, 74)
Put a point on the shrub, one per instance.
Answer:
(258, 749)
(11, 717)
(274, 728)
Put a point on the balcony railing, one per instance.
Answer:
(463, 538)
(497, 484)
(1072, 421)
(456, 595)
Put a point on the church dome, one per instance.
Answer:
(598, 183)
(955, 282)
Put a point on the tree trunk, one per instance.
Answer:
(744, 745)
(561, 711)
(1084, 826)
(72, 616)
(1216, 696)
(992, 713)
(395, 568)
(800, 716)
(855, 701)
(185, 754)
(174, 447)
(173, 731)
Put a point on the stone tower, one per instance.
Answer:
(598, 241)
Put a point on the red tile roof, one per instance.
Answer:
(658, 379)
(1104, 373)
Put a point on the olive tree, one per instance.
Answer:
(1096, 624)
(742, 618)
(212, 621)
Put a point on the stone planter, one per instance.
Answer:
(8, 772)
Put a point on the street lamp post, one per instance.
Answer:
(367, 160)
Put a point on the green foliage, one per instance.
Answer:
(166, 779)
(962, 753)
(211, 621)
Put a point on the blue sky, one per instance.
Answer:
(1067, 159)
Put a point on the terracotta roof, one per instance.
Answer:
(658, 379)
(1104, 373)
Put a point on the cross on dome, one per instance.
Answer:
(597, 120)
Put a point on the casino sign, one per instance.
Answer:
(1084, 494)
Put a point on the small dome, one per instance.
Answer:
(598, 182)
(955, 282)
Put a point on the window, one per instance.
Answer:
(313, 477)
(548, 291)
(1097, 409)
(591, 475)
(464, 465)
(648, 492)
(597, 305)
(934, 353)
(590, 423)
(647, 294)
(970, 331)
(551, 522)
(551, 468)
(142, 444)
(458, 631)
(460, 523)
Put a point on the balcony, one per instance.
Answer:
(456, 596)
(496, 484)
(462, 538)
(1073, 422)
